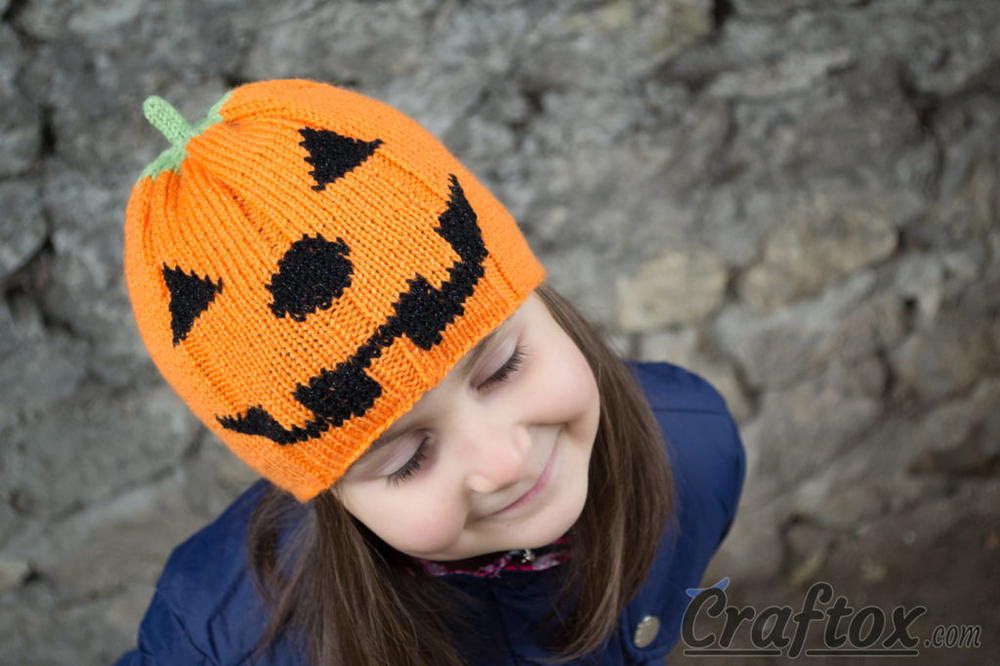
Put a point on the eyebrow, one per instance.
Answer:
(470, 362)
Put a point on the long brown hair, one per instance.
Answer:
(335, 575)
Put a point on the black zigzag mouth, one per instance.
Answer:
(421, 314)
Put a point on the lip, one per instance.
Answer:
(533, 492)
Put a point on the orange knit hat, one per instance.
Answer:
(304, 263)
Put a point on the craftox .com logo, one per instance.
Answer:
(711, 624)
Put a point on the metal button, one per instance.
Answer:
(646, 631)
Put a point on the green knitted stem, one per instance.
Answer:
(178, 132)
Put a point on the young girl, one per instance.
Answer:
(457, 469)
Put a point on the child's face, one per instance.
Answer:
(487, 444)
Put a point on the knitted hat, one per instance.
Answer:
(304, 263)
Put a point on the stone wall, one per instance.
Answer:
(796, 198)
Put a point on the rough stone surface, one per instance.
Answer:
(677, 287)
(13, 573)
(20, 129)
(813, 249)
(800, 429)
(794, 72)
(41, 367)
(847, 321)
(947, 359)
(795, 198)
(22, 228)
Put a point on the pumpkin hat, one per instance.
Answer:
(304, 263)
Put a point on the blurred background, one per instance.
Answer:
(796, 199)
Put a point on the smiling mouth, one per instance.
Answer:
(536, 487)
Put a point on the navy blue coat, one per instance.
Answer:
(204, 610)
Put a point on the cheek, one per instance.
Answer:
(572, 388)
(407, 522)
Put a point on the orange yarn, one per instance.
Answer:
(305, 264)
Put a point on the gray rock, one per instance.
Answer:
(96, 119)
(375, 43)
(967, 130)
(40, 367)
(808, 137)
(74, 448)
(481, 141)
(20, 122)
(122, 539)
(955, 439)
(849, 321)
(22, 227)
(566, 193)
(959, 438)
(754, 213)
(11, 54)
(962, 47)
(93, 80)
(929, 278)
(678, 287)
(134, 39)
(20, 131)
(969, 213)
(920, 278)
(754, 547)
(772, 8)
(12, 573)
(212, 477)
(612, 43)
(700, 137)
(89, 19)
(29, 613)
(796, 71)
(438, 104)
(87, 214)
(567, 271)
(46, 19)
(818, 245)
(938, 362)
(799, 430)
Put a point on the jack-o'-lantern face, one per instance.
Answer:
(311, 268)
(314, 272)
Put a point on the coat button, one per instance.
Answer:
(646, 631)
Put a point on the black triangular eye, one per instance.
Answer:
(311, 275)
(333, 155)
(190, 295)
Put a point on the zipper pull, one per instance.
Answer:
(527, 557)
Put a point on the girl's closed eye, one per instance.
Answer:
(412, 466)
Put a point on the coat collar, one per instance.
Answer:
(545, 557)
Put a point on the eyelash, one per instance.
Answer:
(413, 465)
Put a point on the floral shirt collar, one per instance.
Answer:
(535, 559)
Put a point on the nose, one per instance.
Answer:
(495, 453)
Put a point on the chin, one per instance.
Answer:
(557, 527)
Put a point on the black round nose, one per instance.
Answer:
(311, 275)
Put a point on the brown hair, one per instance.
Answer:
(335, 574)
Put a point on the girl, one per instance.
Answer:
(457, 469)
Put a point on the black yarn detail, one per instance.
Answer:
(256, 421)
(333, 155)
(190, 295)
(337, 395)
(311, 275)
(422, 313)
